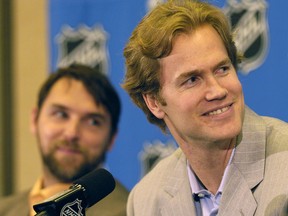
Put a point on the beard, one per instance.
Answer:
(67, 170)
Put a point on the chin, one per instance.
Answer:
(227, 133)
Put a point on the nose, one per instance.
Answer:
(71, 131)
(214, 90)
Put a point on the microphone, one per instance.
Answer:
(85, 192)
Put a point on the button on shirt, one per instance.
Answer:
(206, 203)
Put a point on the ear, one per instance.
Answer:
(154, 105)
(112, 141)
(33, 120)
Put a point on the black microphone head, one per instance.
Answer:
(97, 184)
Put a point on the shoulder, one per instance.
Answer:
(276, 125)
(277, 136)
(14, 198)
(274, 131)
(13, 203)
(276, 149)
(112, 205)
(119, 194)
(157, 187)
(275, 173)
(156, 178)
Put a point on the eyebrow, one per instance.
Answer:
(223, 62)
(97, 115)
(57, 106)
(188, 74)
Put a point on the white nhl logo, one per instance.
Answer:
(72, 209)
(84, 46)
(248, 19)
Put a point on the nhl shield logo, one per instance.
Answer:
(248, 20)
(152, 153)
(84, 46)
(72, 209)
(152, 3)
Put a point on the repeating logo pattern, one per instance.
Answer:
(248, 20)
(152, 3)
(83, 45)
(152, 153)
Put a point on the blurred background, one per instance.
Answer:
(37, 36)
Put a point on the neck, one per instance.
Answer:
(48, 178)
(209, 164)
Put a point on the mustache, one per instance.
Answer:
(70, 145)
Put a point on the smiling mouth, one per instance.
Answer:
(69, 150)
(218, 111)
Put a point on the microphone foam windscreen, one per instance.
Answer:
(98, 184)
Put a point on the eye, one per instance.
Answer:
(192, 81)
(60, 114)
(94, 122)
(223, 70)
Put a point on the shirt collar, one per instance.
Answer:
(39, 194)
(198, 188)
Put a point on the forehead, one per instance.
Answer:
(68, 86)
(198, 40)
(199, 50)
(72, 93)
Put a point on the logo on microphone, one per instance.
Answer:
(72, 209)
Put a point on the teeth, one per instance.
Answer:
(219, 111)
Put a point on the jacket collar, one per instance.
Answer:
(247, 168)
(176, 184)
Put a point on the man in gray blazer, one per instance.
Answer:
(181, 65)
(75, 123)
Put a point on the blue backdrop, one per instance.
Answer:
(95, 32)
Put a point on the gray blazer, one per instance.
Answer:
(112, 205)
(257, 182)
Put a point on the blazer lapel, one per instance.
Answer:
(237, 198)
(246, 170)
(178, 187)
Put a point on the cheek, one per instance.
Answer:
(94, 142)
(239, 90)
(180, 104)
(233, 85)
(46, 135)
